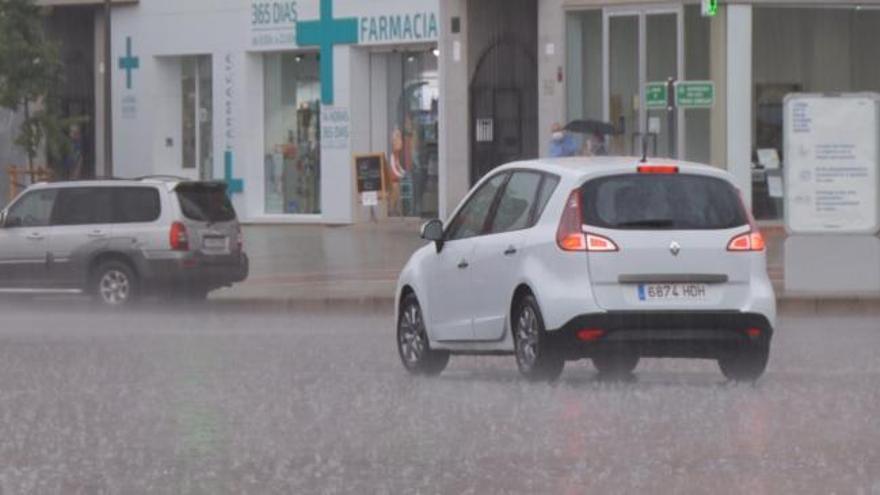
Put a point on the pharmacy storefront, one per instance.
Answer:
(278, 98)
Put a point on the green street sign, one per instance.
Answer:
(695, 94)
(709, 8)
(655, 95)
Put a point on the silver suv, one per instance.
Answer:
(119, 240)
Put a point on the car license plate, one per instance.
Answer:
(672, 292)
(214, 243)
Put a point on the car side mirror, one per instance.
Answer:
(433, 231)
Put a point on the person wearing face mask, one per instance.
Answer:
(561, 142)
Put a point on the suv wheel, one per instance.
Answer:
(617, 364)
(115, 284)
(412, 341)
(534, 359)
(746, 364)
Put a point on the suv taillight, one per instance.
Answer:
(178, 237)
(570, 235)
(750, 241)
(239, 239)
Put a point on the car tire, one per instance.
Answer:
(616, 364)
(413, 345)
(115, 284)
(746, 364)
(534, 358)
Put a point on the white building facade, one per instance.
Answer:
(277, 97)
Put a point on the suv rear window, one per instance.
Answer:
(662, 202)
(205, 202)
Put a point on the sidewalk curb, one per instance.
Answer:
(377, 303)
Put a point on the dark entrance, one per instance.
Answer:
(73, 28)
(504, 86)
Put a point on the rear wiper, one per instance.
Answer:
(657, 223)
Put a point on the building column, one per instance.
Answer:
(718, 74)
(100, 100)
(551, 65)
(739, 97)
(454, 107)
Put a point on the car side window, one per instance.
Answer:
(34, 209)
(514, 211)
(136, 204)
(548, 186)
(471, 219)
(83, 206)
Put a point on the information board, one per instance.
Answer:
(831, 161)
(369, 170)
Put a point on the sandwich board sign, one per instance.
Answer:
(831, 160)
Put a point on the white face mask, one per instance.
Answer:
(558, 135)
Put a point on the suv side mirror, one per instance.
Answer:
(433, 231)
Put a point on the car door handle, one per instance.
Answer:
(463, 264)
(35, 237)
(97, 234)
(510, 251)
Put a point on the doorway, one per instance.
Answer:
(504, 111)
(642, 45)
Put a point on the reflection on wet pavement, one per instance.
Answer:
(316, 402)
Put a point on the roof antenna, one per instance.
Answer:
(644, 148)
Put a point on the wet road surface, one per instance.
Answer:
(313, 401)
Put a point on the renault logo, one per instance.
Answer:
(675, 248)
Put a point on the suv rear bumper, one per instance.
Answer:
(691, 334)
(191, 270)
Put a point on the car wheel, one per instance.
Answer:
(115, 284)
(616, 365)
(536, 362)
(746, 364)
(412, 341)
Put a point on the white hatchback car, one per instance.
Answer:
(603, 258)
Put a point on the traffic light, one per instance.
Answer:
(710, 8)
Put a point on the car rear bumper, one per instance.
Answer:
(699, 334)
(196, 271)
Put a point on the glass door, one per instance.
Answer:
(642, 45)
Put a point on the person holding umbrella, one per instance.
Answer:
(595, 130)
(561, 142)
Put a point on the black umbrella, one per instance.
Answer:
(590, 126)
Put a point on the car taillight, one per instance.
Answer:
(750, 241)
(178, 237)
(590, 334)
(240, 239)
(658, 169)
(597, 243)
(570, 235)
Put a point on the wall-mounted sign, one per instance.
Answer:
(485, 129)
(694, 94)
(273, 24)
(399, 28)
(830, 161)
(370, 174)
(656, 95)
(335, 124)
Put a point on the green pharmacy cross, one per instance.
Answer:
(129, 62)
(325, 33)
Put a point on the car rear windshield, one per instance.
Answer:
(205, 202)
(662, 202)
